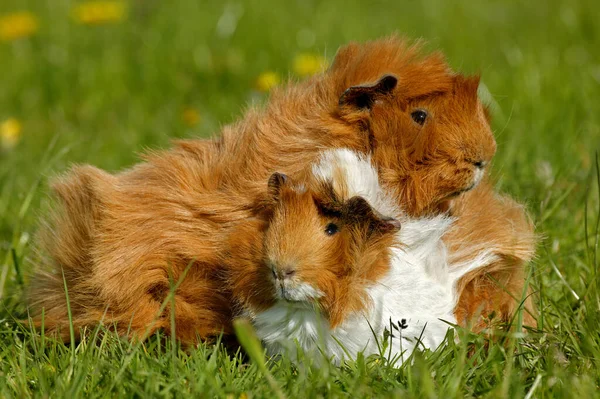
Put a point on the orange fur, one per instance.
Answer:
(499, 288)
(122, 239)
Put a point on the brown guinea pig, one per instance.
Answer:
(324, 269)
(339, 245)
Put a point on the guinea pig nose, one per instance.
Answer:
(479, 164)
(289, 273)
(286, 273)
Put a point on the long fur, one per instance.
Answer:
(413, 300)
(123, 240)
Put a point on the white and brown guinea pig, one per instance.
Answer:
(332, 260)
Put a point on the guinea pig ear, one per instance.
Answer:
(363, 96)
(466, 89)
(358, 210)
(345, 56)
(264, 203)
(276, 182)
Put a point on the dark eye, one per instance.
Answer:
(331, 229)
(419, 116)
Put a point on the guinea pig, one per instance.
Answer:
(332, 263)
(121, 239)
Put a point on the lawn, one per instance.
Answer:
(102, 85)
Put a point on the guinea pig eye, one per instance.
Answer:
(331, 229)
(419, 116)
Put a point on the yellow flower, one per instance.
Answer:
(190, 117)
(17, 25)
(99, 12)
(10, 133)
(267, 80)
(306, 64)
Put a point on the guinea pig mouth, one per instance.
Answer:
(282, 293)
(477, 177)
(289, 295)
(298, 292)
(469, 188)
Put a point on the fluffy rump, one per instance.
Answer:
(120, 260)
(499, 287)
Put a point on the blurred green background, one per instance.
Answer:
(100, 82)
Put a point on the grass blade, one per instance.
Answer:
(251, 344)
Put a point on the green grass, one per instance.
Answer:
(102, 94)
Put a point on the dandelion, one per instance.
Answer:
(267, 80)
(307, 64)
(190, 117)
(17, 25)
(10, 133)
(99, 12)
